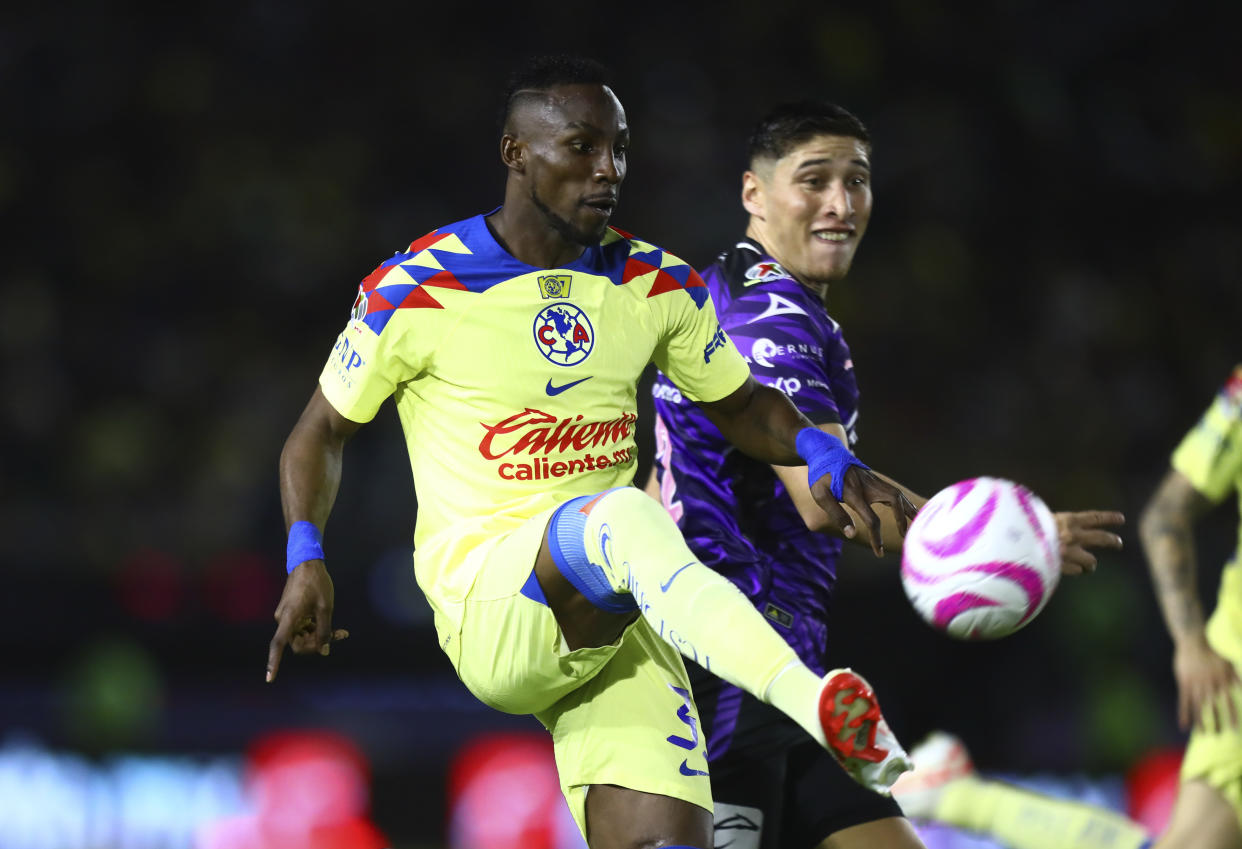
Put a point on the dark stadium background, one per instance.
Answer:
(189, 193)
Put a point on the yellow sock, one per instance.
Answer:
(698, 611)
(1022, 819)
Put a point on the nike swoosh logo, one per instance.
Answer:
(686, 769)
(664, 586)
(557, 390)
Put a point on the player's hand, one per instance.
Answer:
(1086, 529)
(860, 489)
(1204, 682)
(304, 616)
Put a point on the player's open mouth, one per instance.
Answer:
(832, 235)
(601, 205)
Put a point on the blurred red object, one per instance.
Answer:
(504, 792)
(309, 789)
(1151, 788)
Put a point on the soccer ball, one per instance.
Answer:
(981, 559)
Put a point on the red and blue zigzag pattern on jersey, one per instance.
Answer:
(667, 279)
(387, 291)
(399, 283)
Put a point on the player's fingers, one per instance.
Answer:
(857, 500)
(1101, 518)
(1079, 559)
(306, 641)
(837, 516)
(274, 651)
(895, 500)
(1069, 567)
(905, 515)
(339, 634)
(1183, 710)
(323, 629)
(1095, 538)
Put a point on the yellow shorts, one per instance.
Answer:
(1214, 755)
(619, 714)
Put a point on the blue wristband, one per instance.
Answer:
(825, 455)
(305, 543)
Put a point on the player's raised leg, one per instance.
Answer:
(622, 554)
(944, 787)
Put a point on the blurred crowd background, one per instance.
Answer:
(1050, 290)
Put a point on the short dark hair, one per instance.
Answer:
(786, 126)
(541, 73)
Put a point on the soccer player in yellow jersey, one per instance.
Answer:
(1207, 652)
(512, 344)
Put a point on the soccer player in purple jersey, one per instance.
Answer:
(808, 194)
(512, 344)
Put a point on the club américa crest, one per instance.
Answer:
(563, 334)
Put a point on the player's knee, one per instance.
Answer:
(629, 504)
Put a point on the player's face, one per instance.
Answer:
(576, 159)
(810, 208)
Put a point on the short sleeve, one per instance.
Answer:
(1210, 456)
(693, 349)
(380, 348)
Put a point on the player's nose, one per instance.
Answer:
(609, 168)
(837, 201)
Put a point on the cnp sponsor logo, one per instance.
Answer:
(345, 360)
(718, 341)
(531, 435)
(563, 334)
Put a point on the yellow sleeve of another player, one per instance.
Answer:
(379, 349)
(1210, 456)
(694, 351)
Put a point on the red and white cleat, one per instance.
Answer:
(858, 736)
(939, 760)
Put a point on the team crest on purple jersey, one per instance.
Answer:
(763, 271)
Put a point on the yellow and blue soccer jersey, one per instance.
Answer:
(1210, 457)
(516, 385)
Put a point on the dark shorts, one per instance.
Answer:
(772, 785)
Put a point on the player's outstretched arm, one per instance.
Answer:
(795, 480)
(310, 473)
(764, 424)
(1166, 529)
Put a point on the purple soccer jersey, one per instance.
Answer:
(734, 511)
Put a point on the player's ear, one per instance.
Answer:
(512, 153)
(752, 194)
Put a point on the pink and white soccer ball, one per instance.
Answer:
(981, 558)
